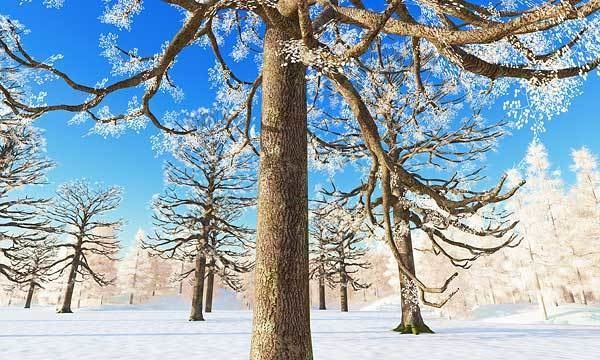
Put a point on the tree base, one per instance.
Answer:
(64, 311)
(196, 319)
(413, 329)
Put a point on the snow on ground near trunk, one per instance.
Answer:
(39, 333)
(573, 314)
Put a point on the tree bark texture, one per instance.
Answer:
(281, 327)
(65, 307)
(412, 321)
(322, 302)
(210, 281)
(30, 295)
(344, 295)
(199, 273)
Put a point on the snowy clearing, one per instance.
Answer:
(39, 333)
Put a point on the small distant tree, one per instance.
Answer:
(344, 251)
(195, 218)
(80, 211)
(107, 267)
(135, 270)
(34, 265)
(160, 274)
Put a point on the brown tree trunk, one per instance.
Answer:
(65, 307)
(281, 327)
(30, 295)
(343, 295)
(412, 321)
(199, 273)
(322, 303)
(210, 280)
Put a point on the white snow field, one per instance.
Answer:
(160, 331)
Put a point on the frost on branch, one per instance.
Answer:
(121, 12)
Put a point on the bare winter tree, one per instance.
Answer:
(294, 35)
(435, 159)
(81, 212)
(343, 249)
(34, 264)
(22, 163)
(209, 188)
(135, 270)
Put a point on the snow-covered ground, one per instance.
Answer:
(574, 314)
(151, 332)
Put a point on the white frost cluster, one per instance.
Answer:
(121, 12)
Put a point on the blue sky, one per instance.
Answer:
(129, 161)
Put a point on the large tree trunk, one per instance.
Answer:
(412, 321)
(281, 328)
(210, 281)
(30, 295)
(199, 273)
(65, 307)
(343, 294)
(322, 303)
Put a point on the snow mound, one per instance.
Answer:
(573, 314)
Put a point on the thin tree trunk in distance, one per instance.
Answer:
(199, 273)
(30, 295)
(344, 296)
(210, 280)
(583, 297)
(181, 281)
(492, 294)
(322, 303)
(281, 327)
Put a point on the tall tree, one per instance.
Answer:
(293, 35)
(582, 227)
(427, 192)
(81, 211)
(209, 188)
